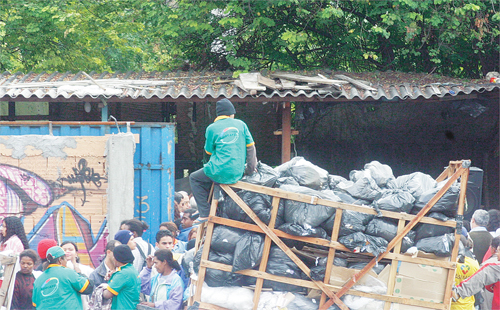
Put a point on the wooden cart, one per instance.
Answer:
(330, 293)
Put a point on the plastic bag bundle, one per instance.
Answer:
(265, 176)
(284, 169)
(286, 181)
(380, 173)
(446, 205)
(415, 183)
(281, 265)
(248, 251)
(362, 185)
(224, 239)
(231, 297)
(439, 245)
(346, 198)
(285, 301)
(298, 230)
(304, 214)
(213, 277)
(395, 200)
(351, 222)
(425, 230)
(359, 265)
(333, 180)
(385, 229)
(305, 173)
(318, 271)
(259, 203)
(358, 242)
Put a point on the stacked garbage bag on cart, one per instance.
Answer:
(374, 186)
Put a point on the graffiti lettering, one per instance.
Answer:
(83, 174)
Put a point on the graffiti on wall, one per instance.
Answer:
(58, 197)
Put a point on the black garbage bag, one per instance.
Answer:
(286, 181)
(259, 203)
(248, 251)
(333, 180)
(265, 176)
(213, 277)
(358, 242)
(298, 230)
(384, 228)
(304, 214)
(377, 268)
(305, 173)
(346, 198)
(284, 169)
(425, 230)
(281, 265)
(362, 186)
(415, 183)
(395, 200)
(351, 222)
(224, 239)
(446, 205)
(439, 245)
(318, 271)
(380, 173)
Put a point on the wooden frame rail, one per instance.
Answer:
(331, 294)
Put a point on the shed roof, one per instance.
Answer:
(175, 86)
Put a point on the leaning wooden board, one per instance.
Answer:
(330, 293)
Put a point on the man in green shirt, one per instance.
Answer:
(124, 285)
(230, 145)
(59, 287)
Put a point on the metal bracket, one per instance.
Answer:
(460, 223)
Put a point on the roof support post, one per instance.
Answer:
(104, 110)
(286, 125)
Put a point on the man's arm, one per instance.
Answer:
(488, 274)
(251, 160)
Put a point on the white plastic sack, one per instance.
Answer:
(230, 297)
(380, 173)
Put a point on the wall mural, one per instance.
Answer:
(58, 195)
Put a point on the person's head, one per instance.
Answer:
(224, 107)
(123, 255)
(27, 260)
(136, 227)
(164, 262)
(126, 237)
(495, 243)
(193, 233)
(56, 255)
(480, 218)
(188, 218)
(170, 226)
(185, 202)
(110, 246)
(71, 250)
(12, 226)
(43, 246)
(494, 221)
(164, 240)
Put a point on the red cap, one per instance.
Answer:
(44, 245)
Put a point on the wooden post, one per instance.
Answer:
(286, 124)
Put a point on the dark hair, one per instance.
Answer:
(467, 225)
(495, 242)
(123, 222)
(171, 227)
(13, 227)
(494, 222)
(192, 232)
(110, 246)
(178, 197)
(134, 225)
(30, 254)
(163, 233)
(166, 255)
(76, 248)
(191, 211)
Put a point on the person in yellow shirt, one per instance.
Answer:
(466, 267)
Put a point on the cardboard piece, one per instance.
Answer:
(420, 282)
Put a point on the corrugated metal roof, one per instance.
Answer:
(204, 86)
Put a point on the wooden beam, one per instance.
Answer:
(286, 124)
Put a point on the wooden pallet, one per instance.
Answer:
(330, 293)
(9, 264)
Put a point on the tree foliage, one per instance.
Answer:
(451, 37)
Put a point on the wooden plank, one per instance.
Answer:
(287, 84)
(265, 253)
(250, 81)
(315, 200)
(312, 285)
(308, 79)
(355, 82)
(281, 245)
(398, 237)
(394, 267)
(286, 137)
(331, 252)
(268, 82)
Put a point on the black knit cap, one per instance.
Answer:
(123, 254)
(224, 107)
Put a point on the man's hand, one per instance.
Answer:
(149, 261)
(149, 304)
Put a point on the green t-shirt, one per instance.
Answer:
(126, 287)
(226, 143)
(59, 288)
